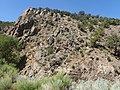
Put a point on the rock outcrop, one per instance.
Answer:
(53, 42)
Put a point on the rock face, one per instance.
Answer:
(53, 43)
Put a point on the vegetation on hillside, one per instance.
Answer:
(60, 81)
(5, 24)
(96, 37)
(113, 42)
(9, 50)
(9, 56)
(88, 18)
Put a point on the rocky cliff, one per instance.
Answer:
(53, 42)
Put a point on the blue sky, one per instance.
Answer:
(10, 10)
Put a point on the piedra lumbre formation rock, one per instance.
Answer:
(53, 42)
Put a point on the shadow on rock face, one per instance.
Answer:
(22, 62)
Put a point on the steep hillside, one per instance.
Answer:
(54, 40)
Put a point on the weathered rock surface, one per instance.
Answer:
(53, 43)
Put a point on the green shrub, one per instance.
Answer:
(50, 50)
(96, 37)
(113, 42)
(82, 27)
(24, 84)
(91, 27)
(7, 71)
(105, 24)
(9, 55)
(5, 83)
(8, 50)
(59, 81)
